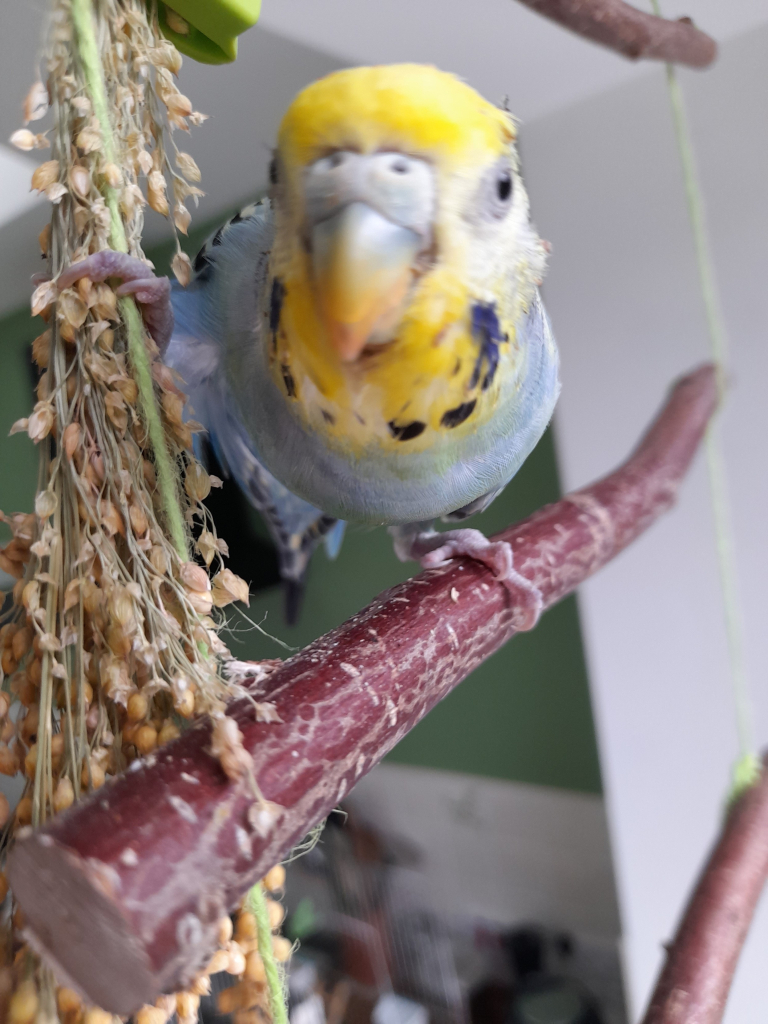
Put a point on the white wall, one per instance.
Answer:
(622, 292)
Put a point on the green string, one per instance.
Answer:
(258, 904)
(747, 768)
(167, 477)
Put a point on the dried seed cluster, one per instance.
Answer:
(238, 954)
(111, 642)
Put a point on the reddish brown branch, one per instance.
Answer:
(630, 32)
(694, 984)
(123, 893)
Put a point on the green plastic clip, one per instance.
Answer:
(207, 30)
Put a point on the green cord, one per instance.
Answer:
(747, 768)
(258, 905)
(167, 477)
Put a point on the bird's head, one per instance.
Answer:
(403, 255)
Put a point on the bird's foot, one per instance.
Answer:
(153, 293)
(431, 549)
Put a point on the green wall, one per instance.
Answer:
(524, 715)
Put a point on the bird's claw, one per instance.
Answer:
(432, 549)
(153, 293)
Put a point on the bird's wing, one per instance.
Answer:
(195, 353)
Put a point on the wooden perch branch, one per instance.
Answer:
(694, 984)
(630, 32)
(123, 893)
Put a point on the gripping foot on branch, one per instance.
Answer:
(432, 549)
(151, 292)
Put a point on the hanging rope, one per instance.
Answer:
(747, 768)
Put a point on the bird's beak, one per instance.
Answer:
(362, 265)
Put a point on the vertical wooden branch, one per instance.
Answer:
(694, 984)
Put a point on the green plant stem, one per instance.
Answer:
(167, 476)
(747, 769)
(258, 904)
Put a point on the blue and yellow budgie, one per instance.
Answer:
(368, 344)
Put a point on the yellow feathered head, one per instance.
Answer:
(403, 256)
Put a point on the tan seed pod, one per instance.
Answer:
(182, 268)
(23, 139)
(89, 139)
(276, 912)
(64, 795)
(225, 931)
(30, 762)
(182, 218)
(245, 928)
(201, 985)
(105, 306)
(44, 239)
(56, 192)
(67, 1000)
(41, 349)
(178, 105)
(45, 175)
(201, 601)
(227, 587)
(218, 962)
(46, 502)
(281, 948)
(95, 1015)
(80, 180)
(94, 778)
(71, 439)
(236, 962)
(187, 167)
(254, 967)
(156, 193)
(42, 297)
(139, 520)
(3, 894)
(184, 703)
(24, 811)
(24, 1003)
(158, 559)
(113, 175)
(35, 103)
(274, 880)
(111, 519)
(146, 739)
(22, 642)
(5, 813)
(71, 309)
(187, 1004)
(128, 388)
(197, 484)
(137, 707)
(170, 731)
(194, 577)
(150, 1015)
(5, 703)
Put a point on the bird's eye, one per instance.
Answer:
(504, 186)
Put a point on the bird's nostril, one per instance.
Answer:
(337, 159)
(399, 167)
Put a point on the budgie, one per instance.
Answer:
(368, 344)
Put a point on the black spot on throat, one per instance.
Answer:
(290, 383)
(276, 298)
(406, 431)
(453, 417)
